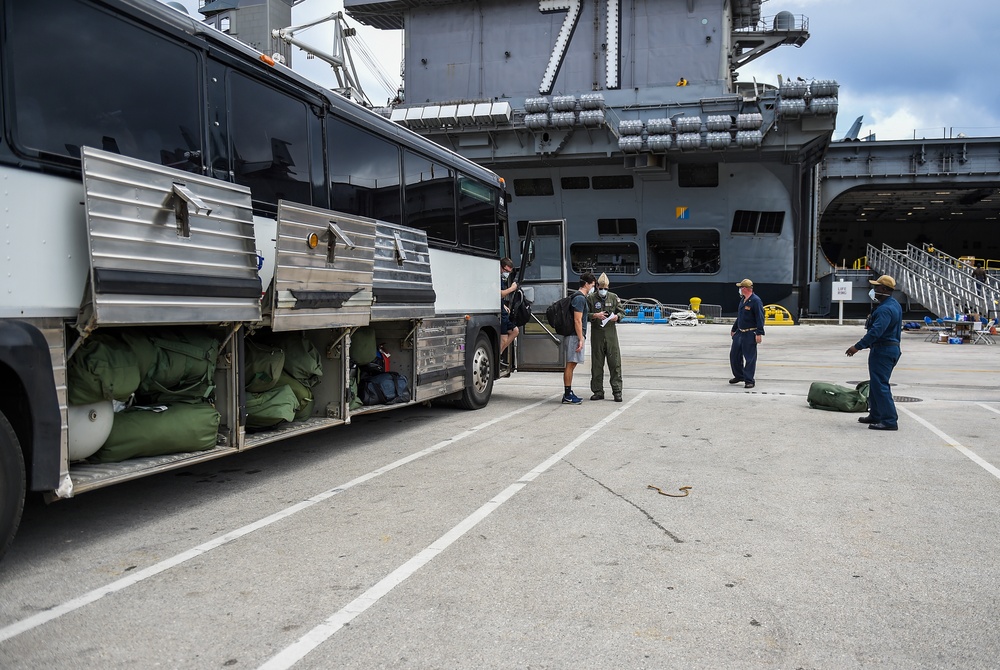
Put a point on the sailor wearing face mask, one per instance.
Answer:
(884, 326)
(508, 331)
(606, 310)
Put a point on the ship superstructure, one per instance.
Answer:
(625, 118)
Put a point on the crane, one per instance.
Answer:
(340, 59)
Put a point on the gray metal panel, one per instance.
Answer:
(134, 231)
(402, 283)
(330, 285)
(440, 358)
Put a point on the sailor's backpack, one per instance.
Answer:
(560, 316)
(520, 309)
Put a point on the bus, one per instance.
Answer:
(204, 252)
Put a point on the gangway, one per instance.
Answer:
(943, 284)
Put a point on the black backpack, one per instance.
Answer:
(560, 316)
(385, 388)
(520, 309)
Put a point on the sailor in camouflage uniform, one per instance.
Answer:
(604, 340)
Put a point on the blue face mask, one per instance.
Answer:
(602, 292)
(871, 294)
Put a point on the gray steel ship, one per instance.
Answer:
(626, 118)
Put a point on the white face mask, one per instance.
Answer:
(602, 292)
(871, 294)
(505, 275)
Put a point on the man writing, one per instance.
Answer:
(603, 304)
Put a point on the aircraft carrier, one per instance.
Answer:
(626, 118)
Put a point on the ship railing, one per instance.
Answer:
(976, 295)
(612, 120)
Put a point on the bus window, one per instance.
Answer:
(84, 87)
(429, 192)
(364, 173)
(270, 142)
(477, 214)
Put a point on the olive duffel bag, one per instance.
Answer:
(834, 398)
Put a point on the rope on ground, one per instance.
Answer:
(684, 491)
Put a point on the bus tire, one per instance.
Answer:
(12, 484)
(477, 394)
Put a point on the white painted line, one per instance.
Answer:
(295, 652)
(25, 625)
(985, 406)
(968, 453)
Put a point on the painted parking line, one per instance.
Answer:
(57, 611)
(965, 451)
(292, 654)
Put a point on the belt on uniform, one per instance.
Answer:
(747, 330)
(885, 344)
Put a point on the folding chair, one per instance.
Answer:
(983, 336)
(933, 333)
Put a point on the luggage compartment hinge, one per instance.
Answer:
(183, 199)
(331, 246)
(400, 251)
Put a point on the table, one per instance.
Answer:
(963, 329)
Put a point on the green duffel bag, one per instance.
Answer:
(354, 400)
(181, 427)
(103, 368)
(269, 408)
(834, 398)
(303, 394)
(302, 360)
(364, 347)
(262, 365)
(144, 350)
(184, 368)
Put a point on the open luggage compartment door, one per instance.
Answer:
(323, 269)
(402, 283)
(166, 246)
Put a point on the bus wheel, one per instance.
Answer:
(11, 484)
(478, 394)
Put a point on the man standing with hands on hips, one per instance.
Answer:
(747, 333)
(884, 326)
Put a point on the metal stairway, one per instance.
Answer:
(941, 283)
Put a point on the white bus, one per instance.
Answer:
(204, 252)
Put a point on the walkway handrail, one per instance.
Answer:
(936, 280)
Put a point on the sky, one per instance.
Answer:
(912, 68)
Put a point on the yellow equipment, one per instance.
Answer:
(776, 315)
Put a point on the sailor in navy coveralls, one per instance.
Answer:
(884, 325)
(747, 332)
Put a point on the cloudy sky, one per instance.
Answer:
(912, 68)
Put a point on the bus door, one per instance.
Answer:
(166, 246)
(542, 276)
(323, 270)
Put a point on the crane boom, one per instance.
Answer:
(340, 59)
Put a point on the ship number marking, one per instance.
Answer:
(573, 9)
